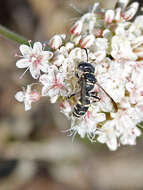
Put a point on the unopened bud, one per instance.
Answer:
(55, 42)
(77, 27)
(131, 11)
(87, 41)
(109, 16)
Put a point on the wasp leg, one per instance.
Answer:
(94, 96)
(76, 74)
(73, 94)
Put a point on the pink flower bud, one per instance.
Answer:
(77, 27)
(118, 14)
(55, 42)
(131, 11)
(87, 41)
(109, 16)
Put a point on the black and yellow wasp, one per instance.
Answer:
(86, 82)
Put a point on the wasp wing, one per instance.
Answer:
(106, 102)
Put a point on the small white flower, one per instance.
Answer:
(107, 134)
(136, 27)
(77, 54)
(66, 107)
(54, 85)
(58, 58)
(135, 88)
(122, 46)
(126, 126)
(129, 136)
(87, 125)
(27, 96)
(34, 59)
(69, 46)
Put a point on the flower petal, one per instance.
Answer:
(27, 105)
(25, 50)
(47, 55)
(37, 47)
(44, 79)
(22, 63)
(44, 67)
(19, 96)
(112, 143)
(54, 99)
(45, 90)
(35, 72)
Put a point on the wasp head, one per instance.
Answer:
(86, 67)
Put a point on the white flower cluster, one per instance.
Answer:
(115, 48)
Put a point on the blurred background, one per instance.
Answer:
(35, 153)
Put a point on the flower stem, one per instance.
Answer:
(12, 35)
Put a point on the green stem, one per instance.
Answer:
(12, 35)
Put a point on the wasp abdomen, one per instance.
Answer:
(81, 107)
(80, 110)
(89, 77)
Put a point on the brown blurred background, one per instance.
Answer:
(34, 152)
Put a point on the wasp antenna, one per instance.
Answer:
(86, 53)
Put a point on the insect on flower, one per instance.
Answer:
(87, 81)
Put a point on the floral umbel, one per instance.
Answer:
(114, 42)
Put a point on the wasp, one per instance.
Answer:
(87, 82)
